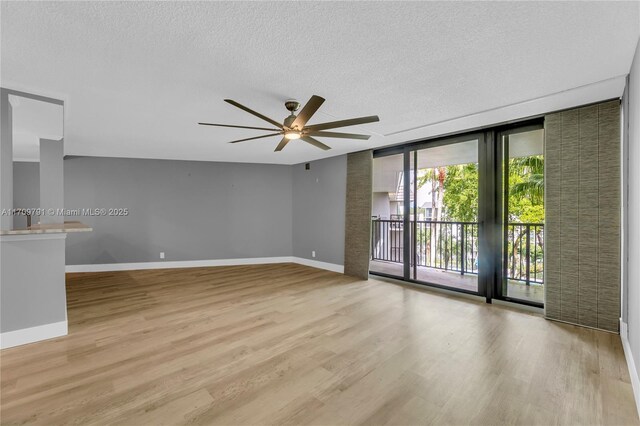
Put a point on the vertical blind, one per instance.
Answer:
(357, 241)
(582, 209)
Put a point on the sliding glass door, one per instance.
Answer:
(522, 163)
(444, 215)
(425, 214)
(463, 213)
(387, 231)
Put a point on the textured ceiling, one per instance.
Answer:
(136, 77)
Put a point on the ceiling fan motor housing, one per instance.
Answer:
(289, 120)
(292, 105)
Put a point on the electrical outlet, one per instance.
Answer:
(313, 253)
(161, 255)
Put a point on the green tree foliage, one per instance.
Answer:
(459, 190)
(526, 189)
(460, 199)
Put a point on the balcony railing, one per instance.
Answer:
(523, 256)
(453, 246)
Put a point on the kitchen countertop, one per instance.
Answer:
(49, 228)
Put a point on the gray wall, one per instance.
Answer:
(190, 210)
(26, 189)
(51, 179)
(633, 213)
(319, 196)
(32, 296)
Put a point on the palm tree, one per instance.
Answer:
(436, 176)
(531, 169)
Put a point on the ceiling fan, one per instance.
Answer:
(295, 126)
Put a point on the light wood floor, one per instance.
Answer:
(287, 344)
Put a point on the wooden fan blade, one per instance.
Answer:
(282, 144)
(307, 111)
(237, 127)
(342, 123)
(256, 137)
(314, 142)
(252, 112)
(340, 135)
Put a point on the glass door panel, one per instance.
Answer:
(523, 215)
(445, 215)
(387, 216)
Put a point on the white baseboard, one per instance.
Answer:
(23, 336)
(106, 267)
(317, 264)
(633, 372)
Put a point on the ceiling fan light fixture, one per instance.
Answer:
(292, 134)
